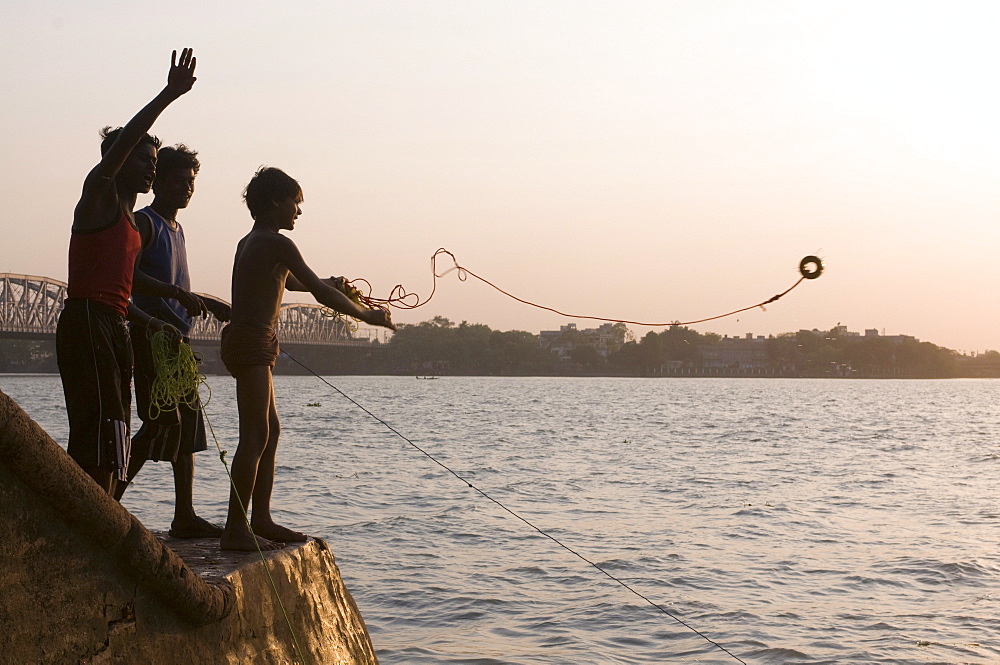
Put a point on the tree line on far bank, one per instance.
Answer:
(440, 347)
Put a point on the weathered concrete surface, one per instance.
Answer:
(82, 581)
(50, 477)
(323, 616)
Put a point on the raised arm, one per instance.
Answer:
(303, 276)
(180, 78)
(98, 185)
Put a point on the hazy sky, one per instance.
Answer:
(642, 160)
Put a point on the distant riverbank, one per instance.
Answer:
(440, 348)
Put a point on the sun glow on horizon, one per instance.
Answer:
(642, 161)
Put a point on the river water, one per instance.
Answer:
(790, 521)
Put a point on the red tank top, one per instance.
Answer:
(101, 264)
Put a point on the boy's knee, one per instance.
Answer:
(255, 436)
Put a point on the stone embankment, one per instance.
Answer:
(83, 581)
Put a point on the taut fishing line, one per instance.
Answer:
(181, 381)
(540, 531)
(177, 382)
(246, 519)
(810, 267)
(359, 291)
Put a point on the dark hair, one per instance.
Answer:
(268, 187)
(176, 158)
(109, 136)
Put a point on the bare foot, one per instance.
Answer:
(278, 532)
(244, 541)
(194, 527)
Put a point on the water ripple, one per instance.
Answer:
(798, 521)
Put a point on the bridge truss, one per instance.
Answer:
(30, 308)
(29, 305)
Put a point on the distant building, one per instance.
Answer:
(604, 339)
(747, 352)
(843, 332)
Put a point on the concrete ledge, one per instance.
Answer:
(30, 455)
(83, 581)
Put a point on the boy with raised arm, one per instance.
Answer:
(266, 264)
(176, 434)
(92, 343)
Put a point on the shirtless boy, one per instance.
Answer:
(266, 264)
(92, 344)
(177, 434)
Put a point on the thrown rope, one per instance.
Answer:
(177, 375)
(810, 268)
(540, 531)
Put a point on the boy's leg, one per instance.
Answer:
(103, 477)
(143, 375)
(253, 397)
(186, 522)
(95, 365)
(261, 521)
(140, 450)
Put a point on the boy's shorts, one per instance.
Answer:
(94, 354)
(177, 431)
(247, 345)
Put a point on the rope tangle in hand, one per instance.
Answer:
(177, 376)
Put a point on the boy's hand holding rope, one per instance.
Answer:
(177, 376)
(377, 313)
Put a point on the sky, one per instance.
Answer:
(650, 160)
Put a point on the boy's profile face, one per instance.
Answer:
(175, 188)
(139, 170)
(287, 211)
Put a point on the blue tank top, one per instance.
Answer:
(165, 259)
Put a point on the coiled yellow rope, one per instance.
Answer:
(177, 376)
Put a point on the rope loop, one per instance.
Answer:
(177, 375)
(810, 268)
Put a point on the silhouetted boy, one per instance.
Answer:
(176, 434)
(266, 264)
(92, 342)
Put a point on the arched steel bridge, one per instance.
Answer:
(30, 307)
